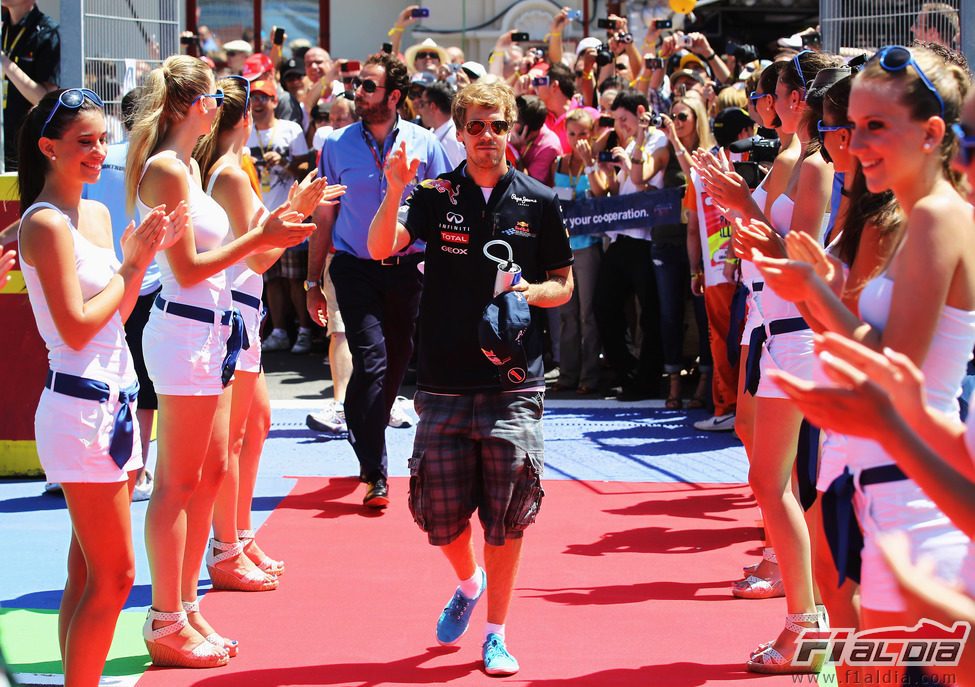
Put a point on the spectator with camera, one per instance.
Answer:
(632, 156)
(280, 153)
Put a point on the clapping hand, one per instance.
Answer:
(304, 197)
(139, 244)
(7, 259)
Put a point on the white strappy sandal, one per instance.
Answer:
(203, 655)
(265, 563)
(229, 644)
(770, 660)
(254, 581)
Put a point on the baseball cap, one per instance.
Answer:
(264, 86)
(729, 123)
(825, 78)
(291, 66)
(256, 65)
(475, 70)
(586, 43)
(503, 324)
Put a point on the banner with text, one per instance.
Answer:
(632, 211)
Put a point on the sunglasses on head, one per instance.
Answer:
(680, 116)
(755, 95)
(894, 58)
(428, 54)
(476, 126)
(966, 145)
(798, 66)
(218, 96)
(368, 85)
(823, 129)
(72, 99)
(247, 89)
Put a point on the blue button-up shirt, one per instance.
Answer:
(353, 157)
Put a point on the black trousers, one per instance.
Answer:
(627, 270)
(379, 305)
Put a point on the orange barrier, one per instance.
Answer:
(23, 357)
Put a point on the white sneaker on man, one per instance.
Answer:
(276, 341)
(330, 420)
(718, 423)
(302, 342)
(398, 416)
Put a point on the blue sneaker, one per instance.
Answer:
(456, 614)
(497, 660)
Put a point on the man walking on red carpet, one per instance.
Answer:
(479, 442)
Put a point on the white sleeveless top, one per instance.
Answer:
(242, 278)
(946, 362)
(106, 357)
(210, 228)
(773, 306)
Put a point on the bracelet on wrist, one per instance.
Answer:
(393, 31)
(695, 275)
(710, 57)
(589, 169)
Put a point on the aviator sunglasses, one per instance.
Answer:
(72, 99)
(894, 58)
(423, 55)
(476, 126)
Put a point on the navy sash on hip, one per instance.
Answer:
(807, 463)
(120, 446)
(235, 342)
(739, 310)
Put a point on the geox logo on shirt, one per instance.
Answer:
(520, 229)
(522, 200)
(442, 186)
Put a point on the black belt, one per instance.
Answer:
(753, 368)
(193, 312)
(786, 326)
(393, 260)
(881, 474)
(246, 299)
(757, 286)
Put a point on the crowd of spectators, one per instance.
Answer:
(774, 272)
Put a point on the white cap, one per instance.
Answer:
(586, 43)
(474, 69)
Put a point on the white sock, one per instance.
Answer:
(471, 586)
(492, 629)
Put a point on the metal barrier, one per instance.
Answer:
(119, 42)
(860, 25)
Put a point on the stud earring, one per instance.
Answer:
(53, 158)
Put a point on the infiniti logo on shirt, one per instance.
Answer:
(454, 217)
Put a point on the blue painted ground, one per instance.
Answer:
(585, 440)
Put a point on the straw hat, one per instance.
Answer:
(427, 44)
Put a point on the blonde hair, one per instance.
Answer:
(229, 115)
(495, 95)
(731, 97)
(166, 97)
(702, 124)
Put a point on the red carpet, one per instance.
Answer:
(621, 584)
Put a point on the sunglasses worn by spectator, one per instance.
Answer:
(476, 126)
(681, 116)
(424, 54)
(368, 85)
(72, 99)
(218, 96)
(802, 79)
(894, 58)
(823, 129)
(755, 95)
(966, 145)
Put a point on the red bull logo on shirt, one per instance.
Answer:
(443, 186)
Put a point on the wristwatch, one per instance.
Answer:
(312, 284)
